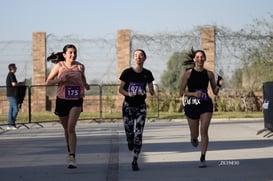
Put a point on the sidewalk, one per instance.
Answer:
(235, 152)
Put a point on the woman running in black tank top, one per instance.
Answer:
(198, 105)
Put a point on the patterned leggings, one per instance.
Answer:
(134, 121)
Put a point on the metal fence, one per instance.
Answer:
(103, 101)
(100, 102)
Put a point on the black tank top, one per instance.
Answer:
(198, 80)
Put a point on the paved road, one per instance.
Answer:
(235, 152)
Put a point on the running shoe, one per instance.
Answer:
(72, 165)
(135, 166)
(11, 128)
(203, 164)
(194, 142)
(71, 162)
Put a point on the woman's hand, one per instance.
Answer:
(87, 87)
(220, 81)
(198, 94)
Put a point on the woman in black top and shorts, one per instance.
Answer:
(198, 105)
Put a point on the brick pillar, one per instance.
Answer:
(39, 71)
(208, 45)
(123, 51)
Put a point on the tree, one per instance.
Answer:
(171, 78)
(258, 72)
(255, 44)
(236, 79)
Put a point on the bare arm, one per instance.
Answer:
(121, 89)
(86, 85)
(213, 85)
(183, 84)
(151, 88)
(51, 79)
(14, 82)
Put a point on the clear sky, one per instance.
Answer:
(102, 18)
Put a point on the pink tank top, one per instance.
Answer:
(74, 88)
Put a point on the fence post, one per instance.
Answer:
(29, 104)
(100, 86)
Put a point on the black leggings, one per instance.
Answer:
(134, 121)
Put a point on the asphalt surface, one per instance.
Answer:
(239, 149)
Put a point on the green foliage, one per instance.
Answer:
(153, 105)
(258, 72)
(256, 44)
(109, 104)
(236, 79)
(171, 78)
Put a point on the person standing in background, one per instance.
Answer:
(69, 75)
(134, 110)
(12, 92)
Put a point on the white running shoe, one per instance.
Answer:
(71, 162)
(11, 128)
(72, 165)
(202, 164)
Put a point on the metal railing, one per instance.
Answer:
(100, 102)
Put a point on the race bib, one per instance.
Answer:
(136, 88)
(72, 91)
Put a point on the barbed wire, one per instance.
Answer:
(100, 59)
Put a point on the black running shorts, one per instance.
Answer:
(63, 106)
(193, 109)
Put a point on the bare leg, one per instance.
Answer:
(205, 122)
(194, 128)
(64, 122)
(69, 125)
(72, 121)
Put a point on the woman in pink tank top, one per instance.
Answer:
(69, 75)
